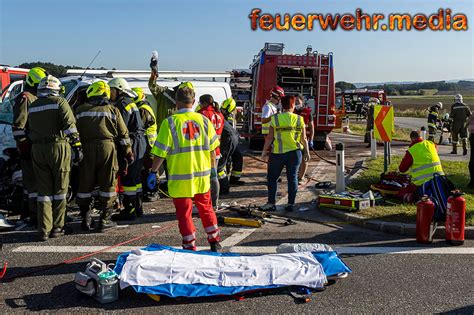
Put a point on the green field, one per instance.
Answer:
(416, 106)
(393, 210)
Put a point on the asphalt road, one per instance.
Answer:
(410, 122)
(383, 281)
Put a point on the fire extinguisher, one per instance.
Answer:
(425, 209)
(455, 218)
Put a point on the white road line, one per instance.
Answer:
(261, 249)
(237, 237)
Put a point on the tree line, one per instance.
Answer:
(54, 69)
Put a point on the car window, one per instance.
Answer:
(69, 86)
(15, 91)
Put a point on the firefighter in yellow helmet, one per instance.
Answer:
(187, 140)
(52, 130)
(103, 132)
(149, 123)
(236, 162)
(20, 133)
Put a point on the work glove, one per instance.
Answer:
(213, 173)
(154, 61)
(77, 155)
(24, 149)
(151, 180)
(130, 158)
(310, 144)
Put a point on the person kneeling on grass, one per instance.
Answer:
(287, 137)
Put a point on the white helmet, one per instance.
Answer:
(439, 105)
(122, 85)
(446, 116)
(49, 86)
(458, 98)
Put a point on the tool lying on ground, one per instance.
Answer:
(240, 221)
(98, 281)
(254, 211)
(349, 200)
(163, 270)
(392, 183)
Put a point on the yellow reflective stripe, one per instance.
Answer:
(131, 107)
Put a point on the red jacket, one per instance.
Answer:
(407, 160)
(217, 120)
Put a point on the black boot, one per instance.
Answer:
(57, 232)
(139, 205)
(464, 147)
(106, 220)
(87, 222)
(236, 181)
(455, 149)
(215, 247)
(128, 213)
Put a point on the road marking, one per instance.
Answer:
(237, 237)
(349, 250)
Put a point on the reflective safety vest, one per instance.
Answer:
(426, 162)
(185, 140)
(150, 132)
(432, 119)
(266, 126)
(287, 136)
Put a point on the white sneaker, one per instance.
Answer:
(4, 223)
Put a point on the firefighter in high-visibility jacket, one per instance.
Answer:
(130, 178)
(149, 123)
(304, 112)
(20, 133)
(236, 162)
(102, 129)
(433, 120)
(187, 140)
(459, 114)
(421, 159)
(51, 126)
(271, 108)
(210, 109)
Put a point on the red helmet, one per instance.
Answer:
(277, 91)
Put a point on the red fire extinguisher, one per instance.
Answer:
(455, 218)
(425, 209)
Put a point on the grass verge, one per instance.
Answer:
(401, 134)
(406, 213)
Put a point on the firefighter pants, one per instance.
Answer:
(237, 163)
(184, 209)
(147, 164)
(52, 164)
(29, 187)
(98, 167)
(431, 132)
(228, 147)
(131, 183)
(471, 158)
(458, 133)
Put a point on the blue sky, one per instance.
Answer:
(216, 35)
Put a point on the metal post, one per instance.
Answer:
(385, 157)
(373, 145)
(389, 152)
(340, 178)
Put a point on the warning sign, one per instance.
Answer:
(383, 123)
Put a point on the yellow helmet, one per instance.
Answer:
(140, 94)
(35, 75)
(186, 85)
(229, 105)
(99, 88)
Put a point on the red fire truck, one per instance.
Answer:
(9, 75)
(310, 74)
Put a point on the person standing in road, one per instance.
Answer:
(471, 158)
(288, 137)
(235, 164)
(120, 94)
(305, 112)
(433, 120)
(51, 123)
(20, 130)
(370, 118)
(270, 108)
(210, 109)
(460, 113)
(149, 123)
(101, 126)
(187, 141)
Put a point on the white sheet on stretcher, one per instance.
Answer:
(152, 268)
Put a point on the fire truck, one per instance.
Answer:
(310, 74)
(361, 96)
(9, 75)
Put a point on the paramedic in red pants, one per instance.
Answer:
(421, 159)
(187, 141)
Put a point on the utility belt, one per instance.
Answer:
(49, 140)
(97, 141)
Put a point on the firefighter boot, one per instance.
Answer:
(455, 148)
(87, 222)
(464, 146)
(106, 220)
(128, 213)
(215, 247)
(236, 181)
(139, 205)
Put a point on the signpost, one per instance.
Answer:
(384, 127)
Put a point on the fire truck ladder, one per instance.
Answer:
(323, 89)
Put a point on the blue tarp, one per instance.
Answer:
(330, 262)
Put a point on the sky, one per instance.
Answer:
(215, 35)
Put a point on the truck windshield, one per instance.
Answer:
(69, 86)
